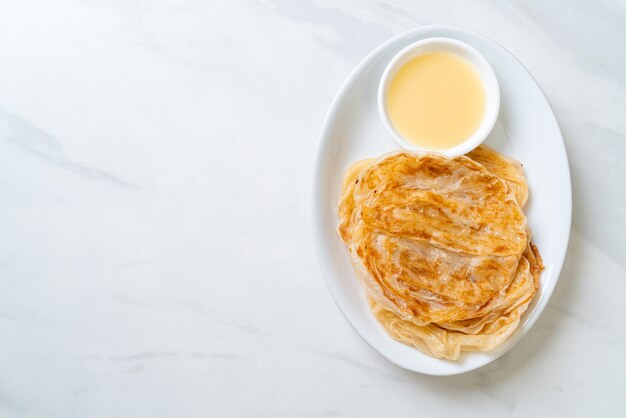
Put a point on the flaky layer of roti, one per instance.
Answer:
(441, 247)
(448, 340)
(510, 171)
(452, 204)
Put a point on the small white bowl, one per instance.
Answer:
(465, 51)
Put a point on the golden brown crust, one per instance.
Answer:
(453, 204)
(442, 247)
(448, 340)
(510, 171)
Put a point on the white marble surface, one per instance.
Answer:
(156, 256)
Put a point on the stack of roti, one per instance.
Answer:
(442, 247)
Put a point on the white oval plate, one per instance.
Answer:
(526, 130)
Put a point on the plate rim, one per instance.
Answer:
(324, 141)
